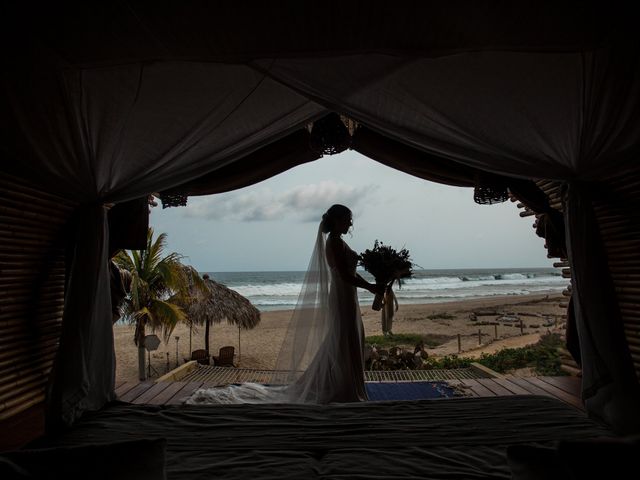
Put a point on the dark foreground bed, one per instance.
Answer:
(440, 439)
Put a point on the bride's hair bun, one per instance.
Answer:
(335, 212)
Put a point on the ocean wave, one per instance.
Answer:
(514, 276)
(280, 290)
(274, 301)
(476, 278)
(422, 296)
(401, 295)
(444, 283)
(431, 280)
(253, 290)
(490, 281)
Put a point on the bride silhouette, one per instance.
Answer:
(326, 335)
(322, 355)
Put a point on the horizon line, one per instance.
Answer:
(415, 269)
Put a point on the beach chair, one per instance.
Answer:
(225, 357)
(201, 356)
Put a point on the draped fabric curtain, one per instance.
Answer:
(115, 134)
(117, 130)
(571, 117)
(264, 163)
(610, 387)
(559, 116)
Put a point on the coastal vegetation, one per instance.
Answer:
(159, 286)
(441, 316)
(405, 339)
(543, 358)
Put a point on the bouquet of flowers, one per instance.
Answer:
(386, 265)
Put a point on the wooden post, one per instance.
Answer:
(239, 349)
(459, 344)
(521, 327)
(177, 339)
(495, 334)
(142, 375)
(479, 337)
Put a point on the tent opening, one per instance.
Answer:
(482, 279)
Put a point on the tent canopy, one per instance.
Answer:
(118, 32)
(163, 94)
(110, 103)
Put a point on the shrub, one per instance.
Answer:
(398, 339)
(543, 357)
(446, 363)
(443, 316)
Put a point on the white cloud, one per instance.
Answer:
(302, 203)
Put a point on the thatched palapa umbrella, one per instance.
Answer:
(219, 303)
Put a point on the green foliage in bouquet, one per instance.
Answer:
(386, 264)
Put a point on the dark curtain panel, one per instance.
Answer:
(400, 156)
(271, 160)
(73, 388)
(610, 387)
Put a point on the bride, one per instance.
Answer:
(322, 355)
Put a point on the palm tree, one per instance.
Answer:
(159, 285)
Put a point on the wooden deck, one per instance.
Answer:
(30, 424)
(221, 376)
(566, 389)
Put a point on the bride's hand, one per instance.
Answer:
(377, 289)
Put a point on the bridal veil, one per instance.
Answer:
(309, 331)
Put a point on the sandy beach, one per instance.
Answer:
(259, 347)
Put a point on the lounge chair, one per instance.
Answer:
(201, 356)
(225, 357)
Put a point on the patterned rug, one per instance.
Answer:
(379, 391)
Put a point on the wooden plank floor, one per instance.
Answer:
(566, 389)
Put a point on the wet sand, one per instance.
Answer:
(259, 347)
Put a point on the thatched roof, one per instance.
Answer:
(220, 303)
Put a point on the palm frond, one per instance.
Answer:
(172, 274)
(143, 314)
(161, 286)
(154, 251)
(165, 316)
(123, 260)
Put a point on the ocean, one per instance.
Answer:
(279, 290)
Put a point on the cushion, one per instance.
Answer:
(528, 462)
(601, 457)
(136, 459)
(605, 457)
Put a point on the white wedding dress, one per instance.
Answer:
(323, 348)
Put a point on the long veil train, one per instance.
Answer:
(308, 341)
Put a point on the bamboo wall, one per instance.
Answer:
(617, 210)
(32, 226)
(552, 190)
(618, 214)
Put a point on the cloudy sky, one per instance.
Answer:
(272, 225)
